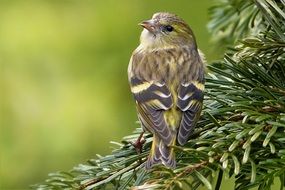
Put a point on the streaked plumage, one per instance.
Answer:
(166, 75)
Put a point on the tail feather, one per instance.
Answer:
(154, 156)
(167, 155)
(161, 154)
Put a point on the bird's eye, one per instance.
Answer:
(169, 28)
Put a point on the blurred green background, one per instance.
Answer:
(64, 90)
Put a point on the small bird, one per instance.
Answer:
(166, 76)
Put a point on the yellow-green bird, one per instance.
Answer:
(166, 75)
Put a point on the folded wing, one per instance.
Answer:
(153, 98)
(190, 99)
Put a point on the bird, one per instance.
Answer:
(166, 77)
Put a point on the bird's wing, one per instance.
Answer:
(152, 99)
(190, 99)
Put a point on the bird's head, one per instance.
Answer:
(166, 30)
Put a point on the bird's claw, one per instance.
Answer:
(138, 144)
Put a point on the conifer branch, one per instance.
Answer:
(241, 131)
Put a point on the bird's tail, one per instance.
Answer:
(161, 154)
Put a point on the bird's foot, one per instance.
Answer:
(138, 144)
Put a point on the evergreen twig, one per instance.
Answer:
(241, 131)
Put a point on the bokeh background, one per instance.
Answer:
(63, 83)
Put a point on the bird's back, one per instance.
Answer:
(172, 66)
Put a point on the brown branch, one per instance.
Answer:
(189, 170)
(91, 182)
(118, 173)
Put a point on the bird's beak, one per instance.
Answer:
(149, 25)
